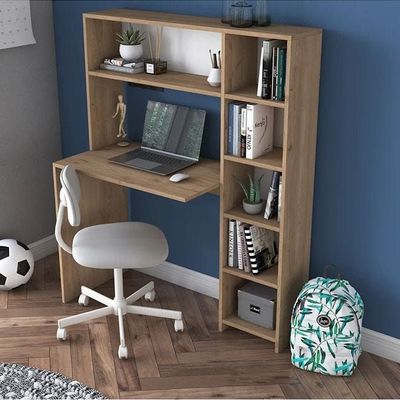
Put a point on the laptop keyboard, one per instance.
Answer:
(160, 158)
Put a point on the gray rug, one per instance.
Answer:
(20, 382)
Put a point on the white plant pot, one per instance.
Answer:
(253, 208)
(214, 77)
(131, 52)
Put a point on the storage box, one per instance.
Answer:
(257, 304)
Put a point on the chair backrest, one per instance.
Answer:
(70, 194)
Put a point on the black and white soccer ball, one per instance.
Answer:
(16, 264)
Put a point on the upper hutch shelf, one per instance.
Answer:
(283, 32)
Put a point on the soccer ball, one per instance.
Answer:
(16, 264)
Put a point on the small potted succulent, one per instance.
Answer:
(252, 203)
(130, 44)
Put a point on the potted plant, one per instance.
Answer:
(130, 44)
(252, 203)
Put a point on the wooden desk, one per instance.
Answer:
(104, 199)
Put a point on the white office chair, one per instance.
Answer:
(124, 245)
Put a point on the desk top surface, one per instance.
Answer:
(204, 176)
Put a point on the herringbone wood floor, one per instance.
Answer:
(198, 363)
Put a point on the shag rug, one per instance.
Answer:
(20, 382)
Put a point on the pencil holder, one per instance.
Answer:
(155, 67)
(214, 77)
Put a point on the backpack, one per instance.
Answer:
(326, 327)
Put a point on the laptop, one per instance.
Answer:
(171, 140)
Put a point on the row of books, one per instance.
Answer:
(250, 248)
(272, 70)
(118, 64)
(250, 129)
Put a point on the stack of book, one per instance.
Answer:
(250, 129)
(251, 248)
(272, 70)
(118, 64)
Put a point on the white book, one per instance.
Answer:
(239, 245)
(231, 243)
(243, 132)
(260, 130)
(237, 109)
(260, 73)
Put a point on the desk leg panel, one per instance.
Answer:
(101, 202)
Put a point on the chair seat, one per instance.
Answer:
(120, 245)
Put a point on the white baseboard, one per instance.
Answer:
(43, 247)
(186, 278)
(380, 344)
(372, 341)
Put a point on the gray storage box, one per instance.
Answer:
(256, 304)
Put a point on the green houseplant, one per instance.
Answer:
(252, 203)
(130, 44)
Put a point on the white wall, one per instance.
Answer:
(29, 132)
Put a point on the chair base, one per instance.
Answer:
(118, 306)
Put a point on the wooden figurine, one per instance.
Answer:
(121, 110)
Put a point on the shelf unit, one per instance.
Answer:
(295, 159)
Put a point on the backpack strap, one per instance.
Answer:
(330, 267)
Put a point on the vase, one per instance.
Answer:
(214, 77)
(253, 208)
(131, 52)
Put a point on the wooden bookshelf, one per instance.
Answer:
(171, 80)
(266, 278)
(295, 159)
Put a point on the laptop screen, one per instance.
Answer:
(174, 129)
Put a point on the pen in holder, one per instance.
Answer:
(214, 77)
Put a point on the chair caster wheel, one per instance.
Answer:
(122, 352)
(83, 300)
(150, 296)
(178, 325)
(61, 334)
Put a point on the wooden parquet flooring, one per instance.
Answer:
(198, 363)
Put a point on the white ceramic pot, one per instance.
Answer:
(131, 52)
(214, 77)
(253, 208)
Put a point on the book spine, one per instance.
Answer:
(251, 252)
(250, 130)
(260, 73)
(124, 70)
(271, 207)
(235, 151)
(267, 70)
(284, 72)
(245, 253)
(231, 243)
(239, 246)
(279, 199)
(230, 129)
(274, 68)
(243, 131)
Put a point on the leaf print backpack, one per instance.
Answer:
(326, 327)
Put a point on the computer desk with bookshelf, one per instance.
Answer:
(105, 185)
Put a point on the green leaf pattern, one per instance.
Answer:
(332, 349)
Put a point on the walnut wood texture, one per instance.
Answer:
(200, 362)
(299, 146)
(283, 32)
(204, 176)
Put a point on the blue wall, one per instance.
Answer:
(356, 219)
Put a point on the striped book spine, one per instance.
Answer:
(254, 265)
